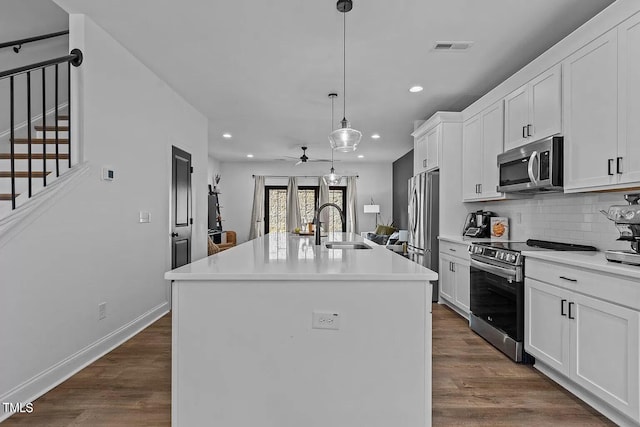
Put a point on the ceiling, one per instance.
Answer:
(261, 70)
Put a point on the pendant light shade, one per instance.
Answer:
(332, 178)
(344, 139)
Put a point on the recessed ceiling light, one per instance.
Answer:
(226, 135)
(414, 89)
(360, 156)
(375, 136)
(250, 156)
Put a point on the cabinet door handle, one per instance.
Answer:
(453, 267)
(528, 130)
(524, 131)
(619, 165)
(609, 166)
(480, 187)
(424, 163)
(568, 279)
(562, 303)
(570, 316)
(452, 250)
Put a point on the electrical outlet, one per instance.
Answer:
(325, 320)
(102, 310)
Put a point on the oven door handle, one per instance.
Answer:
(494, 269)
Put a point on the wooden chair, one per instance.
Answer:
(212, 248)
(231, 241)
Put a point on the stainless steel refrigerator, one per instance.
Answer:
(424, 220)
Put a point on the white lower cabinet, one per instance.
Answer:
(591, 342)
(454, 277)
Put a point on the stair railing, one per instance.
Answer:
(74, 58)
(17, 44)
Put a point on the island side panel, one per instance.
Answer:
(245, 353)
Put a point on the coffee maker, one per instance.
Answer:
(627, 220)
(477, 224)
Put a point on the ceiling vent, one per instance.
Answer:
(452, 46)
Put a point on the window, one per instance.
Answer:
(276, 207)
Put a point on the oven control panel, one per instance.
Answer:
(503, 255)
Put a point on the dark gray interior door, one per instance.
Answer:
(181, 219)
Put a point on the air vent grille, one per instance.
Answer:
(452, 46)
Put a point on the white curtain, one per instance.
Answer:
(352, 212)
(323, 197)
(294, 219)
(257, 213)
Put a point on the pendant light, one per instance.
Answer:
(332, 178)
(344, 139)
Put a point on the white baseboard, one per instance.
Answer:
(596, 403)
(46, 380)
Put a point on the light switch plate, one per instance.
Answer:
(145, 216)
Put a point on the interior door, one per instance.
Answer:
(181, 220)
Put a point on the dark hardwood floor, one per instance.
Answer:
(130, 386)
(476, 385)
(473, 385)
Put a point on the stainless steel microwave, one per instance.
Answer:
(537, 166)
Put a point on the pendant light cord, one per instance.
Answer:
(344, 66)
(332, 95)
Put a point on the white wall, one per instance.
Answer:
(572, 218)
(236, 186)
(89, 247)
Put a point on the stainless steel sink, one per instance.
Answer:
(347, 245)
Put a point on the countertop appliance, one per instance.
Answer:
(497, 292)
(627, 220)
(477, 224)
(534, 167)
(424, 222)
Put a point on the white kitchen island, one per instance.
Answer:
(250, 349)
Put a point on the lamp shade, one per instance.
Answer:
(345, 139)
(372, 209)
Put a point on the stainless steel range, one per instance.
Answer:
(497, 291)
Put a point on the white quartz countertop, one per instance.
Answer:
(589, 260)
(285, 256)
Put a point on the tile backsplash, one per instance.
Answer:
(572, 218)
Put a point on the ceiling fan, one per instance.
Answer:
(304, 158)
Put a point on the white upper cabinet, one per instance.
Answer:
(628, 160)
(471, 157)
(433, 148)
(602, 107)
(419, 154)
(534, 111)
(428, 140)
(482, 141)
(591, 114)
